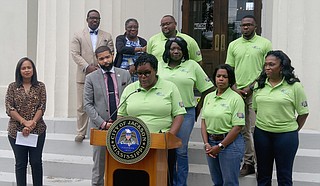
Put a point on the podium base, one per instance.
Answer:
(128, 177)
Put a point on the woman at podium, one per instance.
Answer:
(155, 101)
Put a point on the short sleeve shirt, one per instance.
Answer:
(156, 46)
(223, 112)
(276, 106)
(156, 107)
(248, 58)
(186, 76)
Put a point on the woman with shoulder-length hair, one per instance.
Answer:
(281, 106)
(222, 120)
(186, 74)
(25, 105)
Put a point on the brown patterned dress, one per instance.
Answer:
(26, 104)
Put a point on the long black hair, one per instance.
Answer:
(19, 78)
(182, 43)
(286, 69)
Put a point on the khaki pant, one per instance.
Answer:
(82, 117)
(247, 131)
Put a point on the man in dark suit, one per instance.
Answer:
(82, 50)
(97, 102)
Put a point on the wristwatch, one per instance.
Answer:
(221, 146)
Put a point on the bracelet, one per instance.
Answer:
(206, 144)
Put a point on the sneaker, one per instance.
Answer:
(246, 170)
(79, 138)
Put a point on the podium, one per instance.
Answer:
(154, 164)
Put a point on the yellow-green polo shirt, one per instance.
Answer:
(248, 58)
(156, 107)
(186, 76)
(156, 46)
(276, 106)
(223, 112)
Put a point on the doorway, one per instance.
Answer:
(214, 24)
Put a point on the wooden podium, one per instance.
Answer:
(154, 163)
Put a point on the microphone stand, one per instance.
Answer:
(136, 91)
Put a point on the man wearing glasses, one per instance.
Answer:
(82, 50)
(246, 55)
(168, 26)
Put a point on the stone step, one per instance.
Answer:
(8, 179)
(55, 165)
(199, 175)
(57, 144)
(69, 163)
(54, 125)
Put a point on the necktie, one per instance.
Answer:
(95, 32)
(112, 96)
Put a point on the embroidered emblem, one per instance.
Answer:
(304, 104)
(181, 104)
(240, 115)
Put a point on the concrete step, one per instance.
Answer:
(8, 179)
(69, 163)
(55, 165)
(199, 175)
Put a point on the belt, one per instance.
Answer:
(217, 137)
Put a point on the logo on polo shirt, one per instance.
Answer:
(240, 115)
(181, 104)
(128, 140)
(207, 79)
(304, 104)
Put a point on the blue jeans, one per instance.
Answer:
(225, 168)
(182, 166)
(21, 154)
(278, 147)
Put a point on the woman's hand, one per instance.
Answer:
(30, 124)
(25, 131)
(212, 151)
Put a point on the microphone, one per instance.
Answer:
(136, 91)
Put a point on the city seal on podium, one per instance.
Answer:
(128, 140)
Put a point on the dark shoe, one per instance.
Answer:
(79, 138)
(246, 170)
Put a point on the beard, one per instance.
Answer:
(107, 68)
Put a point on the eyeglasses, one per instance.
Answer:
(247, 25)
(96, 18)
(146, 73)
(175, 39)
(166, 24)
(132, 28)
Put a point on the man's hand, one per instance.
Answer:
(91, 68)
(132, 69)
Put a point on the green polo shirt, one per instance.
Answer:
(276, 106)
(156, 107)
(248, 58)
(223, 112)
(186, 76)
(156, 46)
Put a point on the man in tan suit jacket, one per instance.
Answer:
(82, 50)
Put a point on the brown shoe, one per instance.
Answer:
(79, 138)
(246, 170)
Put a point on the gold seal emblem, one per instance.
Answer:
(128, 140)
